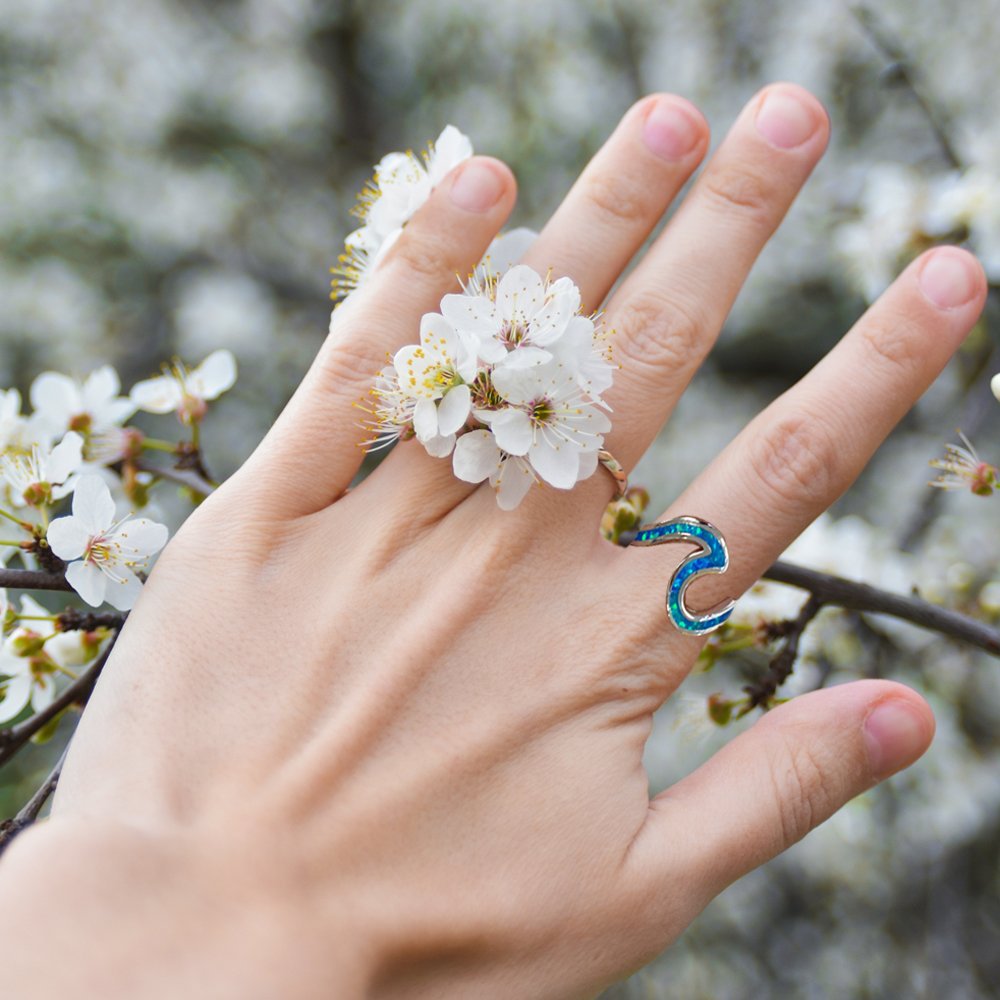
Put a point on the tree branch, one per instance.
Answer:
(10, 828)
(862, 597)
(183, 477)
(760, 693)
(32, 579)
(892, 50)
(11, 740)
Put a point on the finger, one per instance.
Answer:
(669, 311)
(772, 784)
(312, 452)
(603, 220)
(799, 455)
(621, 195)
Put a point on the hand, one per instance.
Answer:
(407, 726)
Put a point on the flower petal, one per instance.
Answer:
(439, 446)
(556, 464)
(507, 249)
(88, 581)
(142, 537)
(101, 385)
(67, 537)
(43, 692)
(476, 456)
(214, 375)
(454, 409)
(64, 458)
(157, 395)
(425, 420)
(123, 592)
(519, 293)
(14, 695)
(473, 313)
(512, 483)
(56, 396)
(512, 430)
(92, 503)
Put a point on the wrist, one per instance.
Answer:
(174, 914)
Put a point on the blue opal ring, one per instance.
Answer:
(711, 556)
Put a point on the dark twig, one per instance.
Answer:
(32, 579)
(781, 667)
(10, 828)
(11, 740)
(183, 477)
(862, 597)
(905, 73)
(74, 620)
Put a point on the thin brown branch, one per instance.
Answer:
(905, 73)
(183, 477)
(863, 597)
(762, 691)
(10, 828)
(32, 579)
(13, 739)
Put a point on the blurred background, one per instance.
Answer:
(177, 176)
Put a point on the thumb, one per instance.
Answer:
(774, 783)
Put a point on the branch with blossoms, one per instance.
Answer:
(73, 474)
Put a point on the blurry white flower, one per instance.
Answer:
(26, 672)
(875, 247)
(62, 403)
(108, 551)
(995, 386)
(504, 252)
(968, 200)
(186, 391)
(43, 474)
(12, 424)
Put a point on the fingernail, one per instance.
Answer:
(947, 279)
(477, 188)
(895, 736)
(785, 120)
(669, 131)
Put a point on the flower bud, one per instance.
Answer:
(720, 708)
(26, 643)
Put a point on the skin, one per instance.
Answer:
(387, 742)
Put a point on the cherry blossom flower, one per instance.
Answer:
(62, 403)
(107, 551)
(963, 469)
(551, 421)
(27, 671)
(186, 391)
(12, 424)
(436, 373)
(402, 183)
(44, 473)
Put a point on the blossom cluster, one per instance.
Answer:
(901, 213)
(76, 446)
(507, 379)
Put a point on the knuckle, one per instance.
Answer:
(656, 334)
(897, 346)
(799, 789)
(795, 461)
(423, 256)
(618, 199)
(741, 190)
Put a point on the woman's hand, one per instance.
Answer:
(400, 731)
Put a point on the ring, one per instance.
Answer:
(616, 469)
(712, 556)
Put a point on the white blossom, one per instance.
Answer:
(186, 391)
(12, 424)
(477, 457)
(550, 421)
(44, 473)
(107, 551)
(968, 200)
(402, 183)
(62, 403)
(27, 676)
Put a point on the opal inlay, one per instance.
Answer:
(710, 557)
